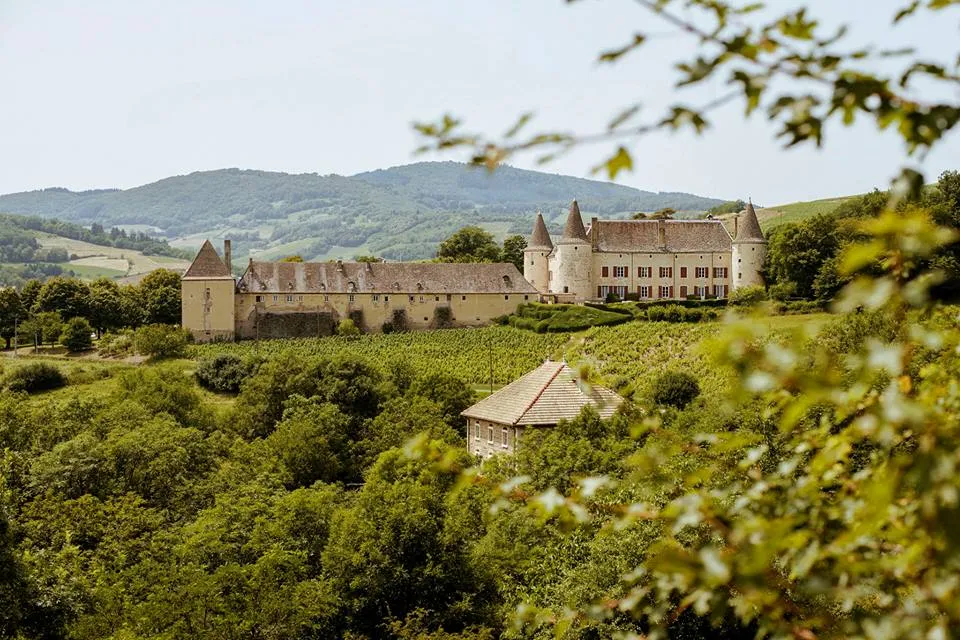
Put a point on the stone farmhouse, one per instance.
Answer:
(650, 259)
(540, 399)
(309, 299)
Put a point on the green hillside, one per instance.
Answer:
(771, 217)
(32, 247)
(402, 212)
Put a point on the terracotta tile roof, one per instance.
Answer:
(207, 264)
(573, 231)
(540, 238)
(748, 227)
(383, 277)
(682, 236)
(545, 396)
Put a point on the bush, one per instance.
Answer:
(356, 315)
(442, 317)
(224, 372)
(36, 377)
(782, 291)
(674, 313)
(656, 314)
(347, 328)
(160, 341)
(76, 335)
(675, 389)
(399, 321)
(747, 296)
(116, 344)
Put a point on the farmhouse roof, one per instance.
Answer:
(207, 264)
(680, 236)
(573, 231)
(383, 277)
(540, 238)
(545, 396)
(748, 227)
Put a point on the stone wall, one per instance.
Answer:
(287, 324)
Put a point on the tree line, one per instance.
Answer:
(804, 258)
(38, 311)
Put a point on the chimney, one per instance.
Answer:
(226, 255)
(594, 233)
(662, 234)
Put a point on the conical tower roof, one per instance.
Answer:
(573, 231)
(748, 227)
(207, 264)
(540, 238)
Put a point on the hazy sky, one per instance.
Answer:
(117, 93)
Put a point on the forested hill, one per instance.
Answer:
(399, 212)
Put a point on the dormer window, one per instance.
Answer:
(507, 282)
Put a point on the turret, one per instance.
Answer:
(749, 250)
(536, 263)
(574, 258)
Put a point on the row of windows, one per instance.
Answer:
(665, 272)
(373, 297)
(645, 291)
(504, 435)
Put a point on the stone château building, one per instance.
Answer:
(309, 299)
(540, 399)
(649, 259)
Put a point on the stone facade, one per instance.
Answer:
(276, 300)
(648, 259)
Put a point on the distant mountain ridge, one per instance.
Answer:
(400, 212)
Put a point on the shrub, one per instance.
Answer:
(656, 314)
(693, 315)
(347, 328)
(611, 297)
(674, 313)
(76, 335)
(442, 317)
(675, 389)
(160, 341)
(356, 315)
(399, 320)
(224, 372)
(33, 377)
(782, 291)
(747, 296)
(116, 344)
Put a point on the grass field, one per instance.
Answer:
(100, 257)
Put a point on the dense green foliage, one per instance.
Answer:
(33, 377)
(38, 310)
(675, 389)
(160, 340)
(224, 372)
(402, 212)
(804, 255)
(76, 335)
(544, 318)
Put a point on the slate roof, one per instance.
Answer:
(748, 227)
(540, 238)
(207, 264)
(573, 231)
(383, 277)
(545, 396)
(682, 236)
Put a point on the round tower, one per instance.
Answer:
(536, 261)
(749, 250)
(574, 258)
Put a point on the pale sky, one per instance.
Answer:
(118, 93)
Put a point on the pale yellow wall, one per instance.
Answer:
(208, 318)
(483, 446)
(570, 264)
(468, 309)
